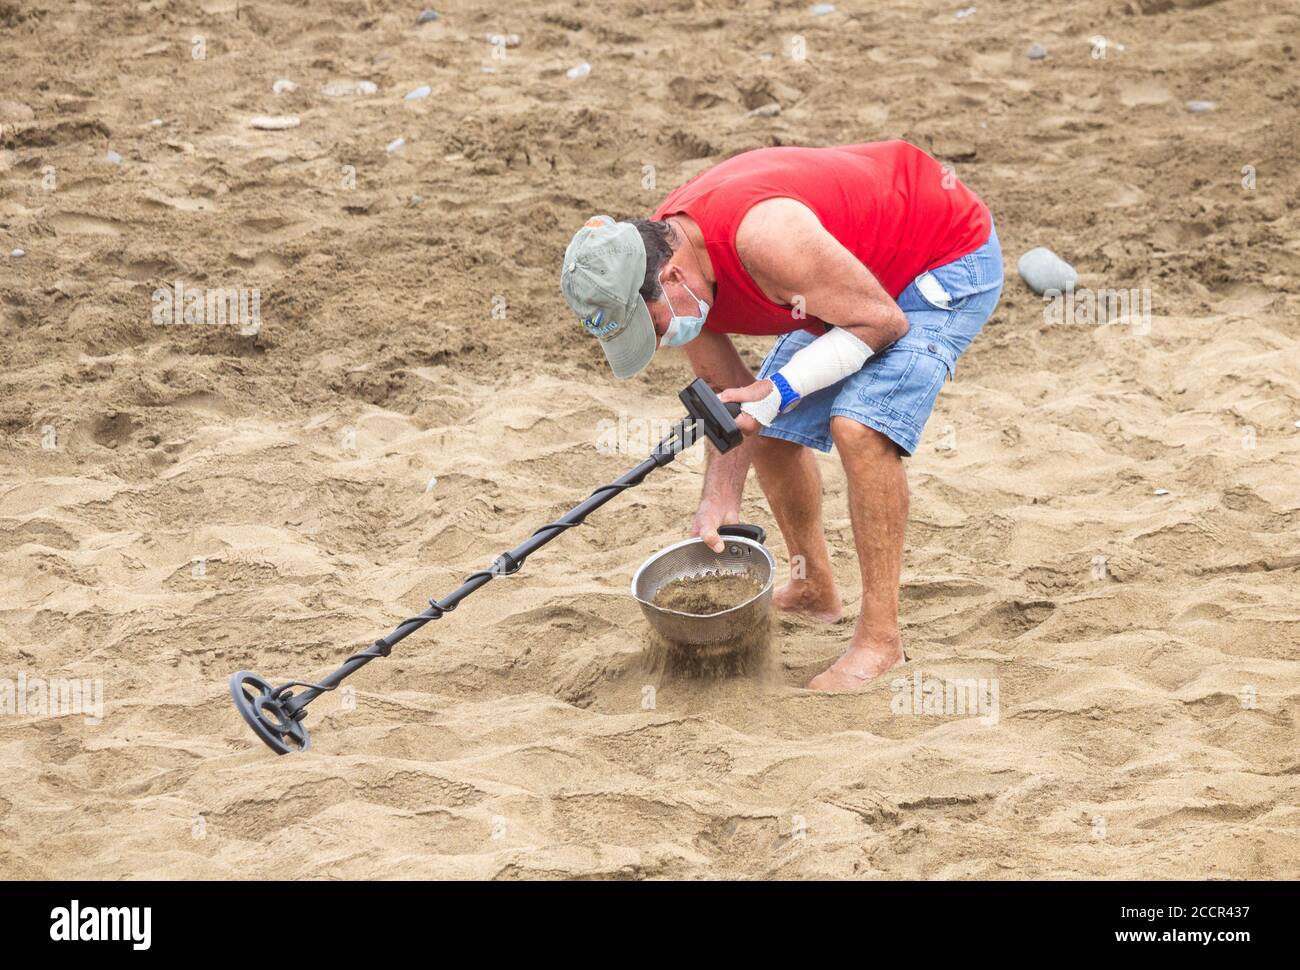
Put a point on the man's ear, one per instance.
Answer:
(671, 273)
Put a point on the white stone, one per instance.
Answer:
(1043, 270)
(284, 86)
(577, 71)
(275, 122)
(345, 89)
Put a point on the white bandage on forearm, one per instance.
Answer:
(827, 360)
(764, 410)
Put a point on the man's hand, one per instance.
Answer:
(708, 517)
(743, 395)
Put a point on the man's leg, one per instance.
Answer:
(792, 484)
(878, 511)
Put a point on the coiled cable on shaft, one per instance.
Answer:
(508, 563)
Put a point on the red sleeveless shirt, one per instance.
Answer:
(890, 204)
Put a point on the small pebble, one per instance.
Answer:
(503, 40)
(766, 111)
(822, 9)
(1043, 270)
(344, 89)
(1101, 44)
(275, 122)
(423, 91)
(20, 253)
(283, 86)
(1161, 491)
(1036, 51)
(1200, 107)
(577, 71)
(427, 16)
(155, 123)
(396, 145)
(965, 12)
(112, 157)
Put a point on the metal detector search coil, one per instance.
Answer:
(275, 713)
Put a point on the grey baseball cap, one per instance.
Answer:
(604, 268)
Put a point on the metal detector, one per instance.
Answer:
(276, 713)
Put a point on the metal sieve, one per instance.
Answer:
(744, 554)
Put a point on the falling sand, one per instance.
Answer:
(741, 647)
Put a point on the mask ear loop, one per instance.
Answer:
(698, 265)
(668, 299)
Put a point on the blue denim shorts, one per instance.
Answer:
(895, 391)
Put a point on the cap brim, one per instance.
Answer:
(630, 350)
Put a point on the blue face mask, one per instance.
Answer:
(682, 330)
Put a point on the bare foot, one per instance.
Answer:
(817, 603)
(860, 666)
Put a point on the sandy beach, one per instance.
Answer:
(1105, 517)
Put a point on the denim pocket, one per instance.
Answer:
(964, 277)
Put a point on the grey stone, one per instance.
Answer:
(426, 16)
(1043, 270)
(1036, 51)
(1200, 107)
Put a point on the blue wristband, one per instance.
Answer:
(788, 393)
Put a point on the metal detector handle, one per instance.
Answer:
(744, 531)
(716, 420)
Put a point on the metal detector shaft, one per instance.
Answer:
(275, 713)
(507, 563)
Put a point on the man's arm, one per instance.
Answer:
(795, 261)
(714, 357)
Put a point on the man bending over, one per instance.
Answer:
(874, 268)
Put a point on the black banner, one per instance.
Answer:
(140, 919)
